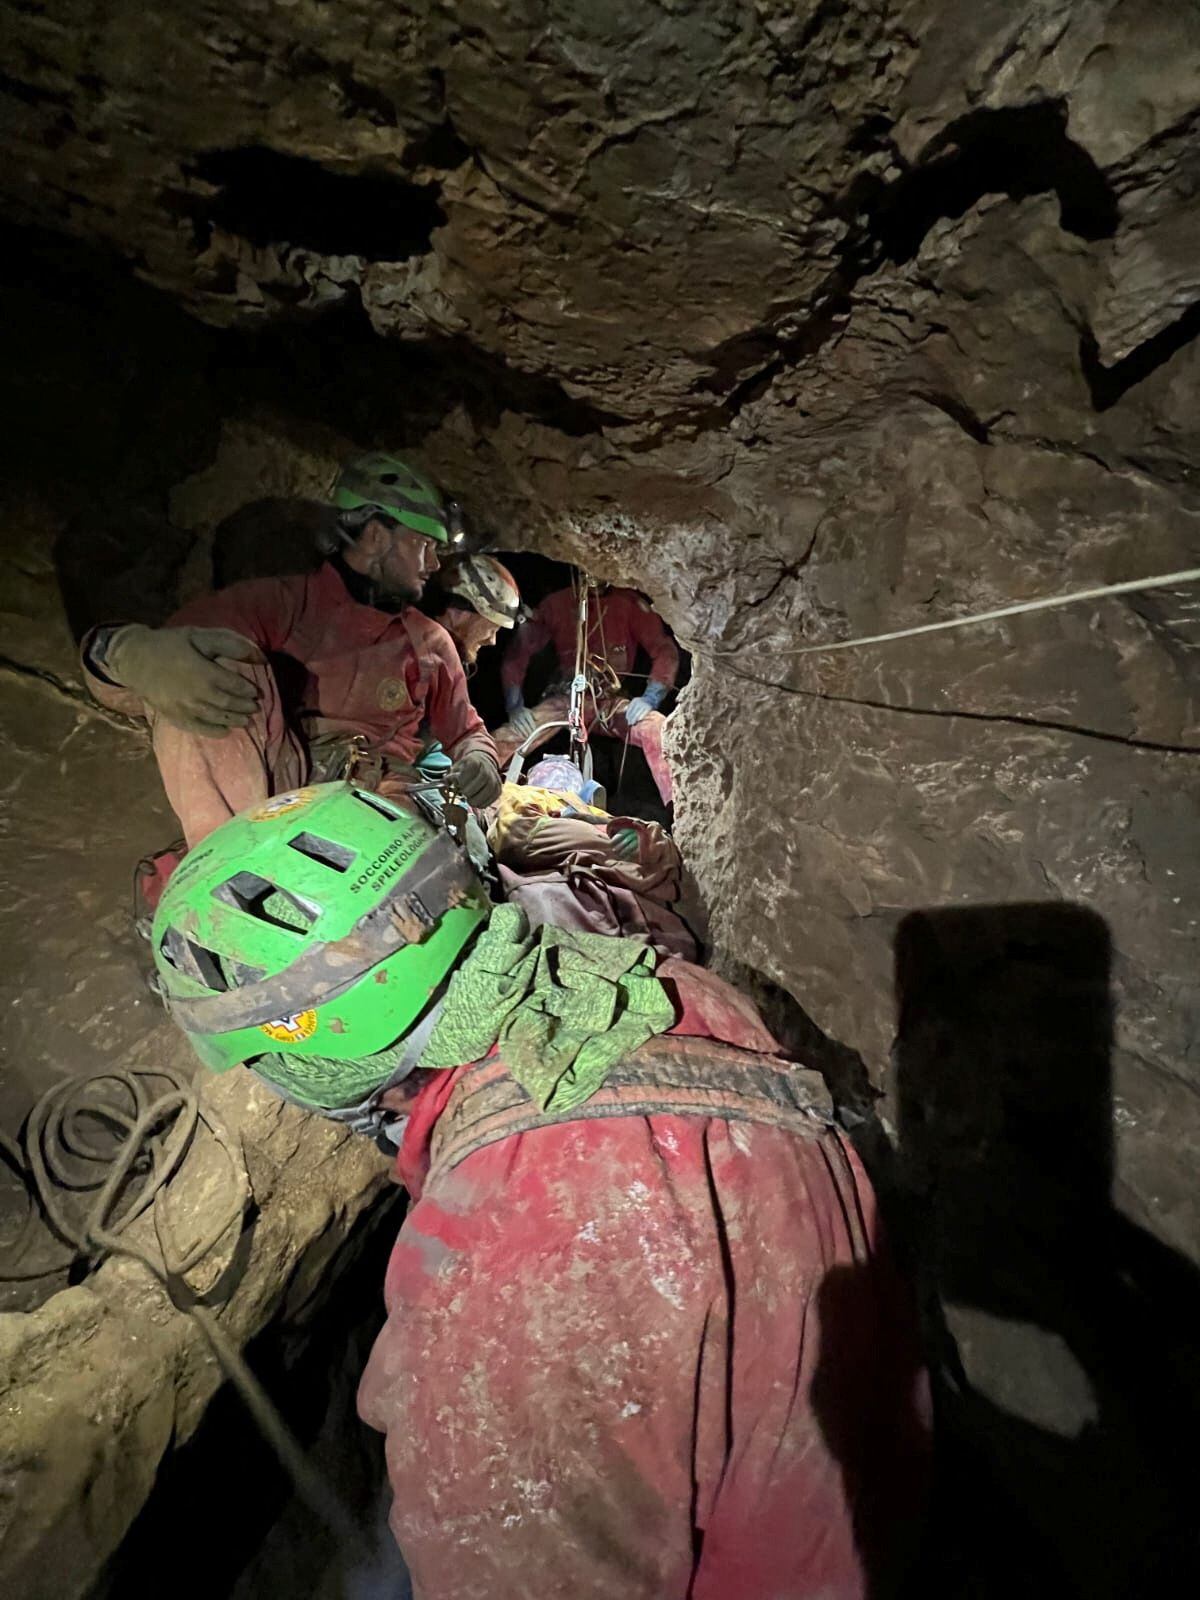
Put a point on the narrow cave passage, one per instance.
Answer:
(757, 1159)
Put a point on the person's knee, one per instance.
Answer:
(260, 675)
(649, 730)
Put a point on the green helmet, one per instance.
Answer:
(314, 930)
(385, 483)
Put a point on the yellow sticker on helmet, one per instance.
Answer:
(281, 804)
(291, 1030)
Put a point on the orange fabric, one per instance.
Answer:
(648, 1358)
(337, 666)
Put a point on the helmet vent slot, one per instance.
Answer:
(325, 851)
(192, 959)
(377, 803)
(267, 902)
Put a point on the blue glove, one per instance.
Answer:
(514, 698)
(653, 697)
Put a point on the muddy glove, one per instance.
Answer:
(477, 778)
(640, 707)
(180, 672)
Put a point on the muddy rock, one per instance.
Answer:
(104, 1379)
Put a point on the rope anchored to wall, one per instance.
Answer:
(1166, 580)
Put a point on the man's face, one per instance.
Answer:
(405, 559)
(470, 632)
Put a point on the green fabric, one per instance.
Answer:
(326, 1082)
(280, 909)
(563, 1006)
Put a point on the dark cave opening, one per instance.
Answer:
(269, 197)
(1017, 151)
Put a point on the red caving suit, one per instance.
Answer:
(647, 1356)
(336, 667)
(619, 621)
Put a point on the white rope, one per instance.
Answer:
(1165, 580)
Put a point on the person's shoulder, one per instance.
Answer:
(631, 599)
(427, 634)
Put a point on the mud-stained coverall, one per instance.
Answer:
(336, 667)
(647, 1357)
(619, 621)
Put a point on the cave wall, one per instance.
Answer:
(811, 320)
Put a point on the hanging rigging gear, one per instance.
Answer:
(590, 683)
(580, 752)
(589, 667)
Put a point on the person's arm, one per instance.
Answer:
(264, 610)
(183, 671)
(454, 720)
(652, 634)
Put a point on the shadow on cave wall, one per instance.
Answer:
(1014, 151)
(1062, 1338)
(269, 538)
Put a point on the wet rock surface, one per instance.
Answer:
(810, 321)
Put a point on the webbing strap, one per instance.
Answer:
(367, 1115)
(667, 1075)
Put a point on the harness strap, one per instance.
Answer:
(668, 1075)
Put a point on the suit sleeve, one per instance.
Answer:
(529, 638)
(448, 709)
(652, 634)
(263, 609)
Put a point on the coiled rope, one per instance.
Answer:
(114, 1141)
